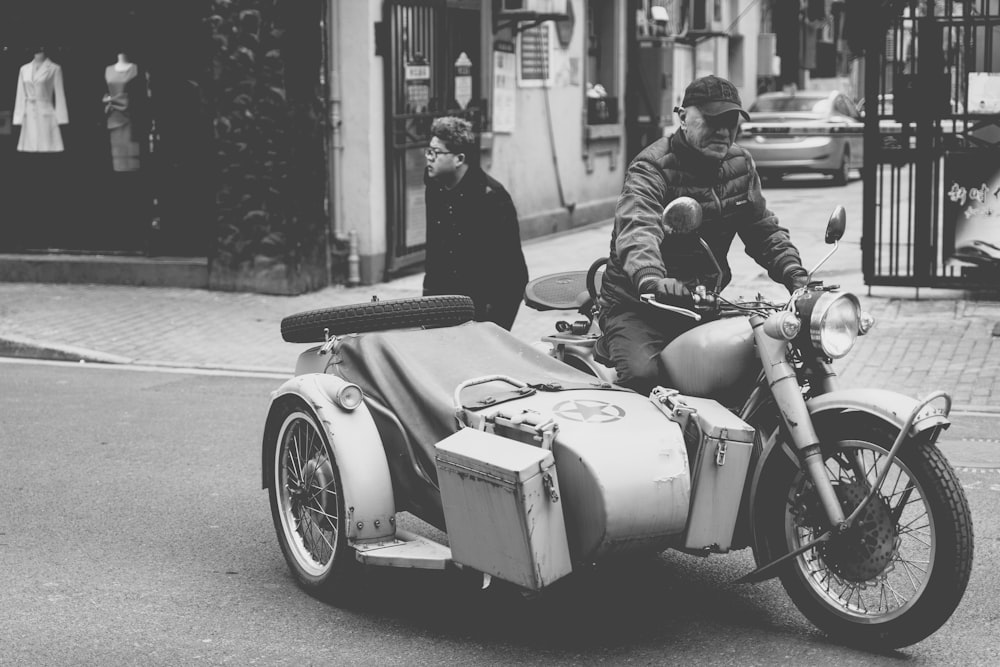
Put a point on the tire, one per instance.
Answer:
(307, 507)
(314, 326)
(843, 175)
(897, 578)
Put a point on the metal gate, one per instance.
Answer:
(932, 147)
(423, 44)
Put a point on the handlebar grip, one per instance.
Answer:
(651, 300)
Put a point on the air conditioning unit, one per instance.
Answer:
(533, 6)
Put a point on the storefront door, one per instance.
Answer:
(426, 77)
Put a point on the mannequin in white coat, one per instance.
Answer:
(40, 105)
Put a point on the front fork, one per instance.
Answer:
(784, 385)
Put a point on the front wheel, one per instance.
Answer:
(307, 506)
(898, 574)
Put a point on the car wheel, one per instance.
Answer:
(843, 174)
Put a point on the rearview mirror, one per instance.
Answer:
(835, 228)
(681, 216)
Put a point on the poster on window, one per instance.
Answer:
(972, 209)
(504, 87)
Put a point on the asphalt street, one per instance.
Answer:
(134, 532)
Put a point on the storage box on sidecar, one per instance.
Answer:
(503, 508)
(719, 446)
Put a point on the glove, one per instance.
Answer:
(796, 278)
(668, 290)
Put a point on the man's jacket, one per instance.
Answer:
(731, 201)
(474, 243)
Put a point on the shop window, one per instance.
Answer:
(602, 63)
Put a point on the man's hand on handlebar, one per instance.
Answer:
(669, 290)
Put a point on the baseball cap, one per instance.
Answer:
(713, 96)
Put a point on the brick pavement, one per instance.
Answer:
(943, 340)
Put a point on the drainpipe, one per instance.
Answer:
(336, 136)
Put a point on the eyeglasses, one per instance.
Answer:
(433, 153)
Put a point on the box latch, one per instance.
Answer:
(720, 452)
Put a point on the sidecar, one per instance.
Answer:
(530, 467)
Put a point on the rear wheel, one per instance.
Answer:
(898, 574)
(307, 507)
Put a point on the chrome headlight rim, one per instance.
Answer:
(819, 332)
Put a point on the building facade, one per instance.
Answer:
(280, 142)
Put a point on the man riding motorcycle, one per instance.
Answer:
(700, 161)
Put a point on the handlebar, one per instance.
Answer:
(651, 300)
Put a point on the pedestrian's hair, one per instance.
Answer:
(455, 132)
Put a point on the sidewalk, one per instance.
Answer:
(943, 340)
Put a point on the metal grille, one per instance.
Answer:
(926, 148)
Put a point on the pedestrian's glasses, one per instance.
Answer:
(433, 153)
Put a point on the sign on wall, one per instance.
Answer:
(418, 85)
(463, 80)
(504, 87)
(534, 56)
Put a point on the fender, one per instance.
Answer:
(364, 471)
(889, 406)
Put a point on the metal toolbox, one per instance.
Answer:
(719, 445)
(502, 508)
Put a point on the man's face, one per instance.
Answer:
(710, 135)
(441, 162)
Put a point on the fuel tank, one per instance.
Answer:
(715, 360)
(623, 469)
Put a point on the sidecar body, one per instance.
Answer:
(529, 466)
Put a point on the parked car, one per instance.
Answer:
(804, 131)
(979, 252)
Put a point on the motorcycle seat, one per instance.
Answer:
(557, 291)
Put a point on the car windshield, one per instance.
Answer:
(806, 104)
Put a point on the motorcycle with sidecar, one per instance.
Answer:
(535, 463)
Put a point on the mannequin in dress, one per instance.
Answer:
(40, 105)
(124, 105)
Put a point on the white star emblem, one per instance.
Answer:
(589, 411)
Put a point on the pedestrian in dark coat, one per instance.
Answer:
(473, 236)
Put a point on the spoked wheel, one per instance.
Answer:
(898, 574)
(307, 506)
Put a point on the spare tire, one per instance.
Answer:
(312, 326)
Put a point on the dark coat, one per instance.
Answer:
(474, 246)
(732, 204)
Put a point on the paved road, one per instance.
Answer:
(134, 531)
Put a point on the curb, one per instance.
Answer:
(28, 348)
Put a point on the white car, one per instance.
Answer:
(804, 131)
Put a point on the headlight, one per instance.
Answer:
(834, 323)
(349, 396)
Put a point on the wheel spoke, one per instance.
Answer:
(902, 568)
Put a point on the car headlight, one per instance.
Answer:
(834, 323)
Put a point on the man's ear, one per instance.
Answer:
(460, 158)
